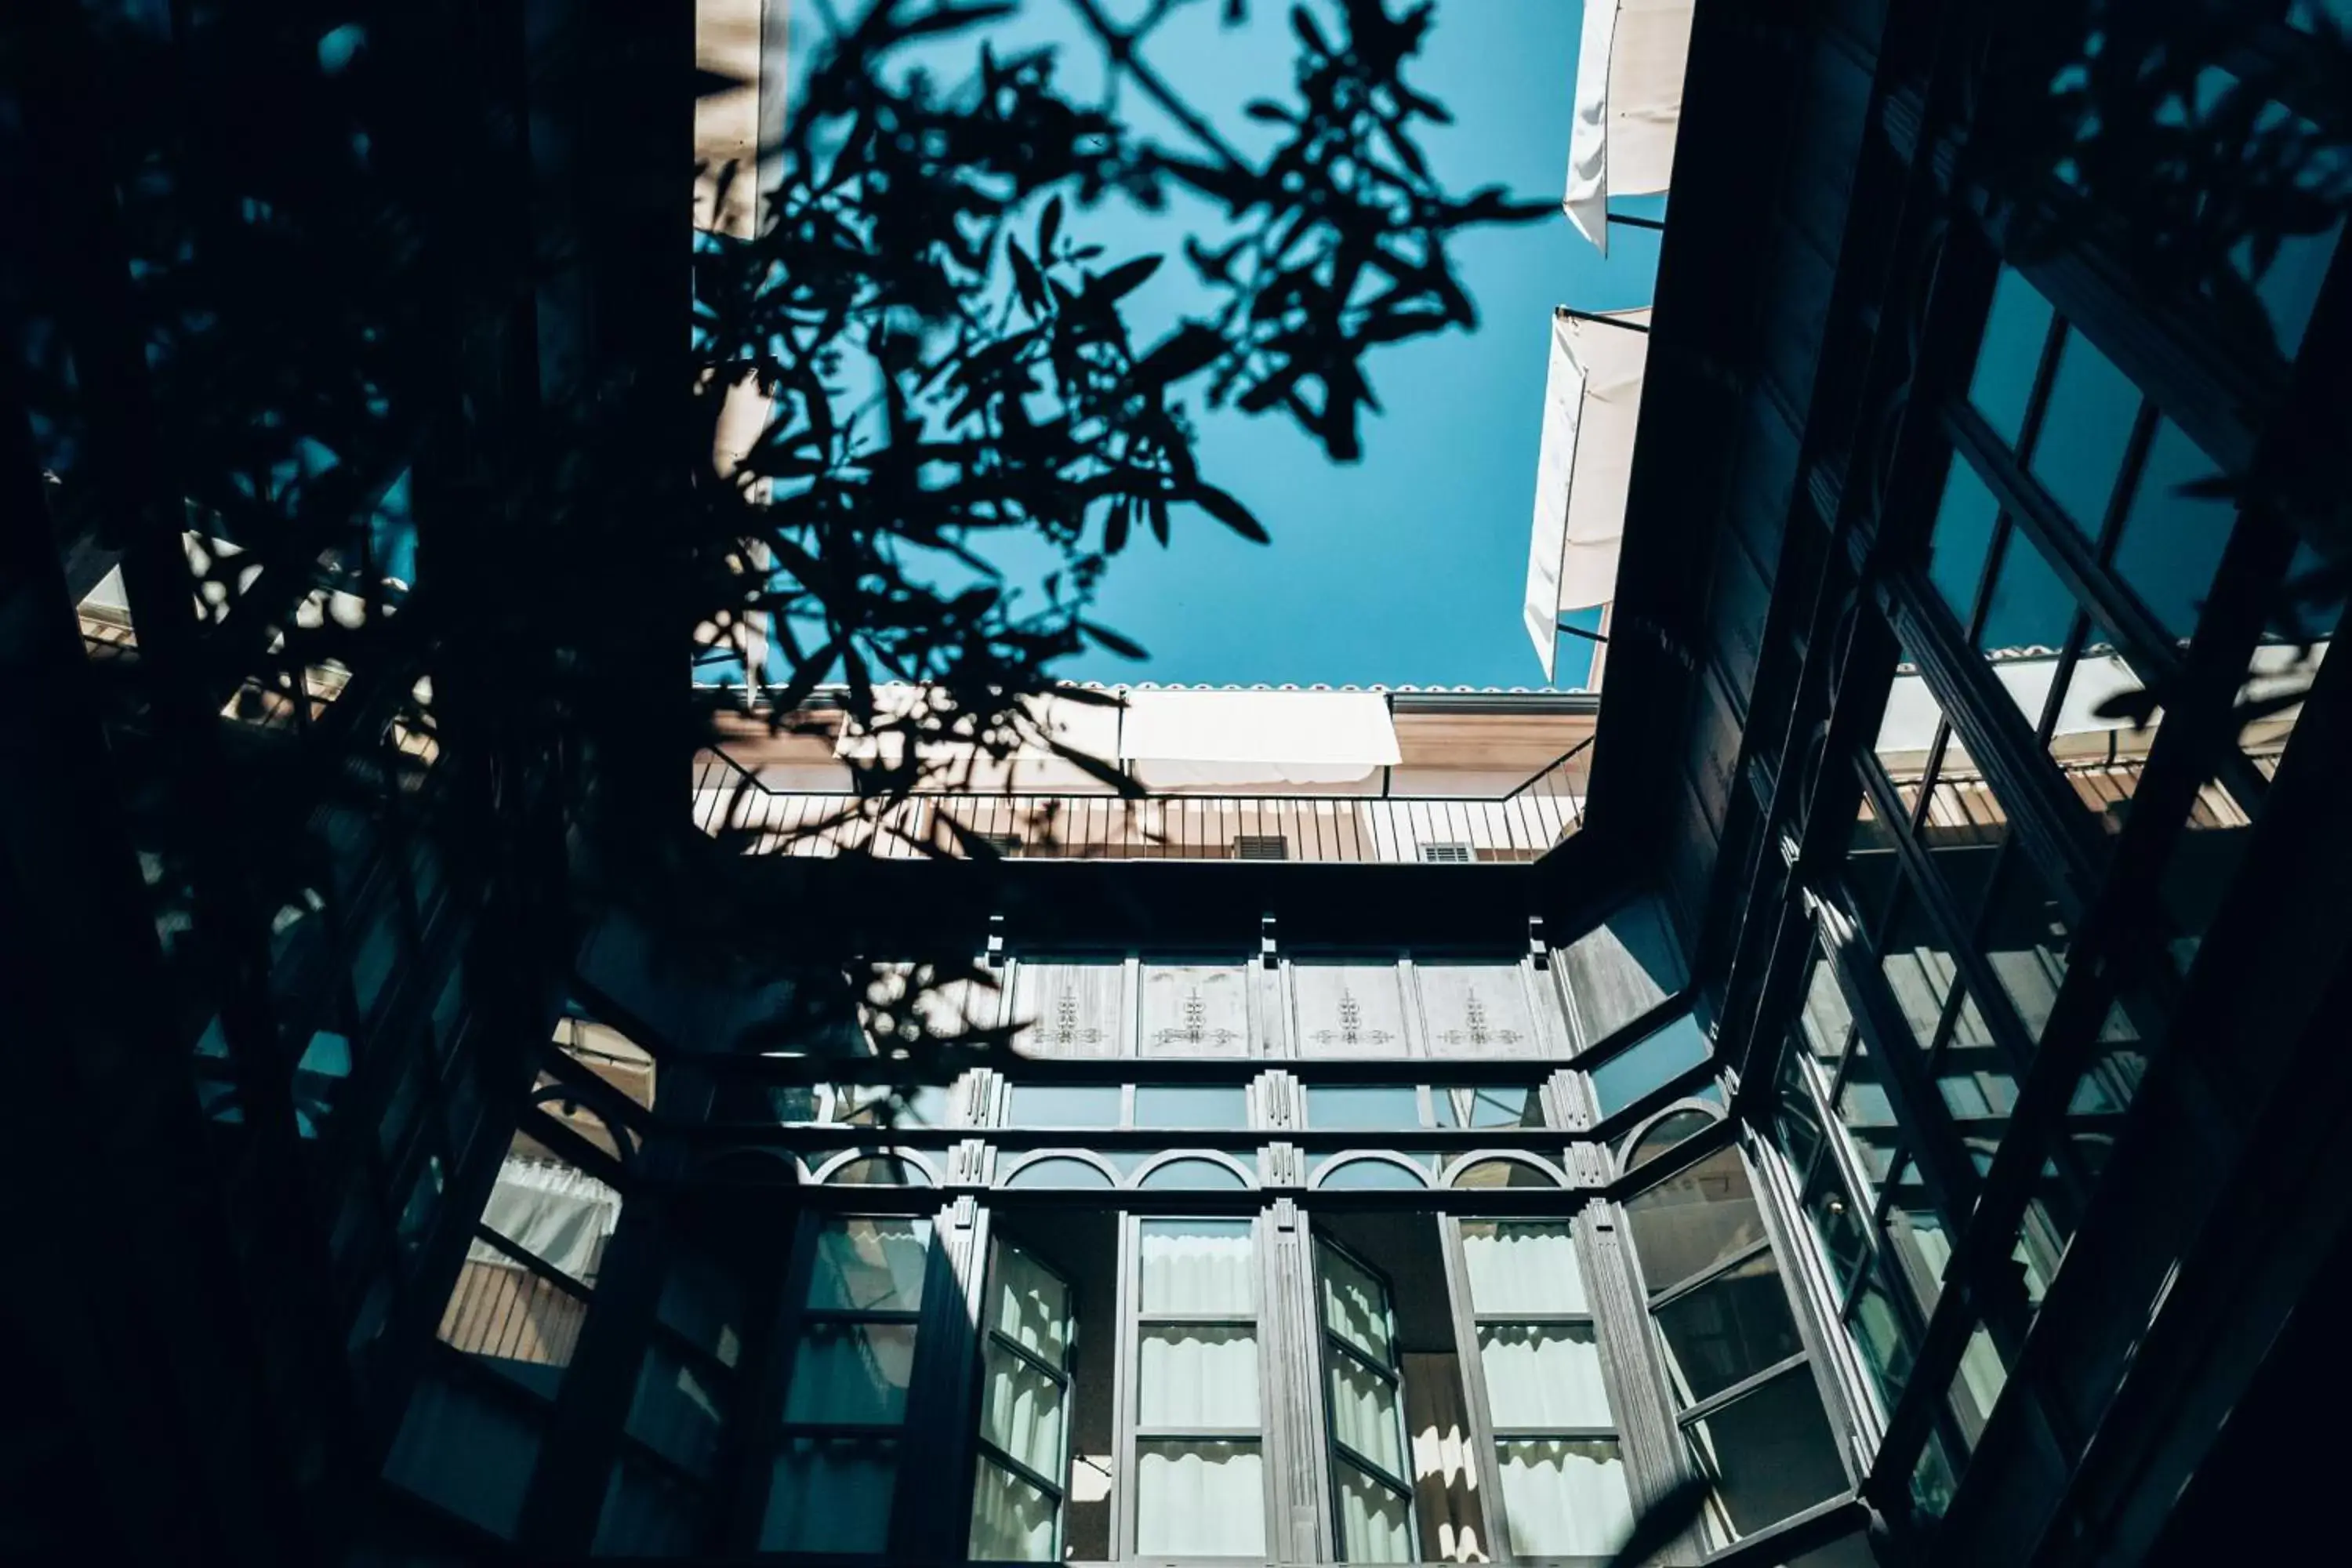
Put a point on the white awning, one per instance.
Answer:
(1218, 740)
(1629, 104)
(1032, 764)
(1592, 401)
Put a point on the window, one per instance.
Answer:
(1371, 1469)
(1198, 1463)
(835, 1469)
(1018, 1487)
(1558, 1458)
(1725, 1333)
(1447, 853)
(1260, 847)
(1389, 1108)
(1646, 1067)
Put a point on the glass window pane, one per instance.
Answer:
(1030, 1305)
(1364, 1415)
(852, 1374)
(870, 1265)
(1355, 1307)
(1199, 1266)
(1059, 1173)
(2085, 430)
(1693, 1220)
(1188, 1105)
(675, 1412)
(1375, 1522)
(2030, 608)
(1363, 1107)
(1628, 1076)
(1368, 1174)
(1730, 1327)
(2171, 543)
(1189, 1376)
(881, 1171)
(1668, 1132)
(1021, 1411)
(1884, 1340)
(830, 1494)
(1502, 1173)
(2009, 354)
(1771, 1452)
(1564, 1500)
(1961, 540)
(1210, 1175)
(1200, 1499)
(1012, 1521)
(1543, 1376)
(1920, 1243)
(1065, 1105)
(1512, 1105)
(1521, 1267)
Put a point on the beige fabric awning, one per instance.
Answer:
(1592, 403)
(1629, 104)
(1225, 739)
(1090, 728)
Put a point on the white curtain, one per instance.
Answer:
(1354, 1306)
(1012, 1521)
(1444, 1463)
(1374, 1524)
(1193, 1376)
(1199, 1266)
(1200, 1499)
(1364, 1415)
(1565, 1499)
(1542, 1375)
(1022, 1411)
(852, 1373)
(557, 1213)
(870, 1265)
(1522, 1267)
(1629, 100)
(1031, 1306)
(829, 1495)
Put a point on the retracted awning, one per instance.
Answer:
(1592, 401)
(1629, 104)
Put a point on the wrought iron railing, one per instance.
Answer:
(1324, 829)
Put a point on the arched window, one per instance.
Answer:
(1368, 1173)
(1673, 1128)
(1499, 1172)
(1195, 1173)
(1060, 1170)
(878, 1170)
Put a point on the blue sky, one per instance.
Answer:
(1405, 568)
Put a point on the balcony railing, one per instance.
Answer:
(1320, 829)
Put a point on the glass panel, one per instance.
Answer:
(1355, 1307)
(1365, 1108)
(1200, 1499)
(1060, 1173)
(2009, 354)
(702, 1304)
(1846, 1246)
(1031, 1306)
(675, 1412)
(646, 1513)
(1364, 1414)
(1977, 1386)
(1543, 1376)
(1192, 1377)
(1065, 1105)
(870, 1265)
(1884, 1340)
(1212, 1174)
(1770, 1453)
(1730, 1327)
(1673, 1129)
(1502, 1173)
(1628, 1076)
(852, 1374)
(1021, 1411)
(1564, 1500)
(1518, 1266)
(1183, 1105)
(1961, 540)
(1199, 1266)
(1012, 1521)
(1375, 1522)
(880, 1171)
(2171, 543)
(2086, 427)
(2030, 609)
(1514, 1105)
(830, 1494)
(1693, 1220)
(1369, 1175)
(466, 1451)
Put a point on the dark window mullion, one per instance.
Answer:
(1722, 1397)
(1683, 1288)
(998, 1338)
(1012, 1467)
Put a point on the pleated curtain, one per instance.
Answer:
(1200, 1499)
